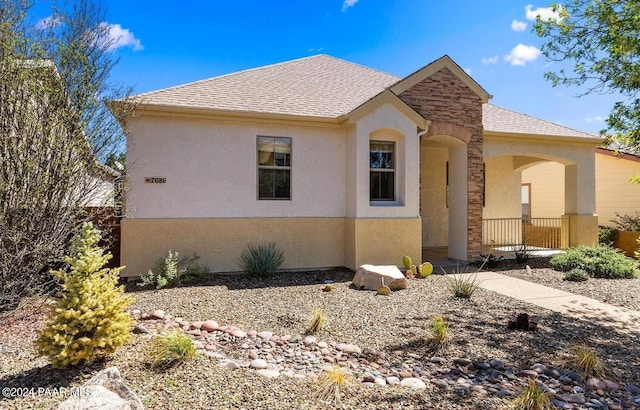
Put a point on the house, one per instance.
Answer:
(615, 193)
(339, 164)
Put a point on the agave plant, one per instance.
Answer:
(261, 259)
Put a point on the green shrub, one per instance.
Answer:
(261, 259)
(598, 261)
(172, 271)
(607, 235)
(463, 285)
(88, 320)
(576, 275)
(171, 349)
(627, 222)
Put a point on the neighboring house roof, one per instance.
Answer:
(317, 86)
(322, 86)
(502, 120)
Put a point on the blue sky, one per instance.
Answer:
(164, 43)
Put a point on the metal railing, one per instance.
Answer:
(534, 232)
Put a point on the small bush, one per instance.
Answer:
(440, 332)
(316, 323)
(261, 260)
(576, 275)
(533, 397)
(599, 261)
(173, 271)
(463, 285)
(88, 320)
(585, 361)
(627, 222)
(171, 349)
(607, 235)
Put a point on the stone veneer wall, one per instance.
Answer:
(444, 99)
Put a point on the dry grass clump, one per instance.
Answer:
(585, 361)
(171, 349)
(440, 332)
(317, 322)
(533, 397)
(333, 383)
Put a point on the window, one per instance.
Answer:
(526, 202)
(382, 172)
(274, 168)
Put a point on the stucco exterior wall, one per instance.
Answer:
(434, 211)
(307, 242)
(502, 189)
(547, 189)
(444, 99)
(614, 192)
(211, 170)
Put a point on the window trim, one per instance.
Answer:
(393, 170)
(274, 167)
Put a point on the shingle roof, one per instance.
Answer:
(498, 119)
(317, 86)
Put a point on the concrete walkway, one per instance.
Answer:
(576, 306)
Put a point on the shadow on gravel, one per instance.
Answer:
(46, 381)
(234, 281)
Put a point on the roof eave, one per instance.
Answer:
(387, 97)
(237, 115)
(544, 137)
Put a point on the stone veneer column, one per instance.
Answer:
(444, 98)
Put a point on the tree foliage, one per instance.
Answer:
(54, 127)
(89, 320)
(600, 39)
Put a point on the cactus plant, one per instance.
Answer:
(406, 260)
(426, 269)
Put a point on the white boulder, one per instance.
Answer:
(374, 276)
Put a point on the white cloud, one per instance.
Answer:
(490, 60)
(594, 119)
(468, 70)
(521, 54)
(48, 22)
(518, 25)
(117, 37)
(348, 3)
(315, 50)
(545, 13)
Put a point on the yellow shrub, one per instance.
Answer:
(89, 318)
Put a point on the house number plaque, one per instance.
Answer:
(155, 180)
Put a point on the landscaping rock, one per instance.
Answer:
(105, 390)
(372, 277)
(413, 383)
(209, 325)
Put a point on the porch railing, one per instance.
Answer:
(534, 232)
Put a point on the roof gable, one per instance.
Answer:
(435, 66)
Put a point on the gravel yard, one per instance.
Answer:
(480, 368)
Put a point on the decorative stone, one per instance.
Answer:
(139, 330)
(239, 333)
(413, 383)
(595, 384)
(157, 314)
(229, 364)
(209, 325)
(462, 362)
(258, 364)
(392, 380)
(105, 390)
(266, 336)
(371, 277)
(268, 373)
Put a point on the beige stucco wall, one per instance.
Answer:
(193, 154)
(434, 211)
(307, 242)
(385, 124)
(547, 189)
(502, 189)
(614, 191)
(381, 241)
